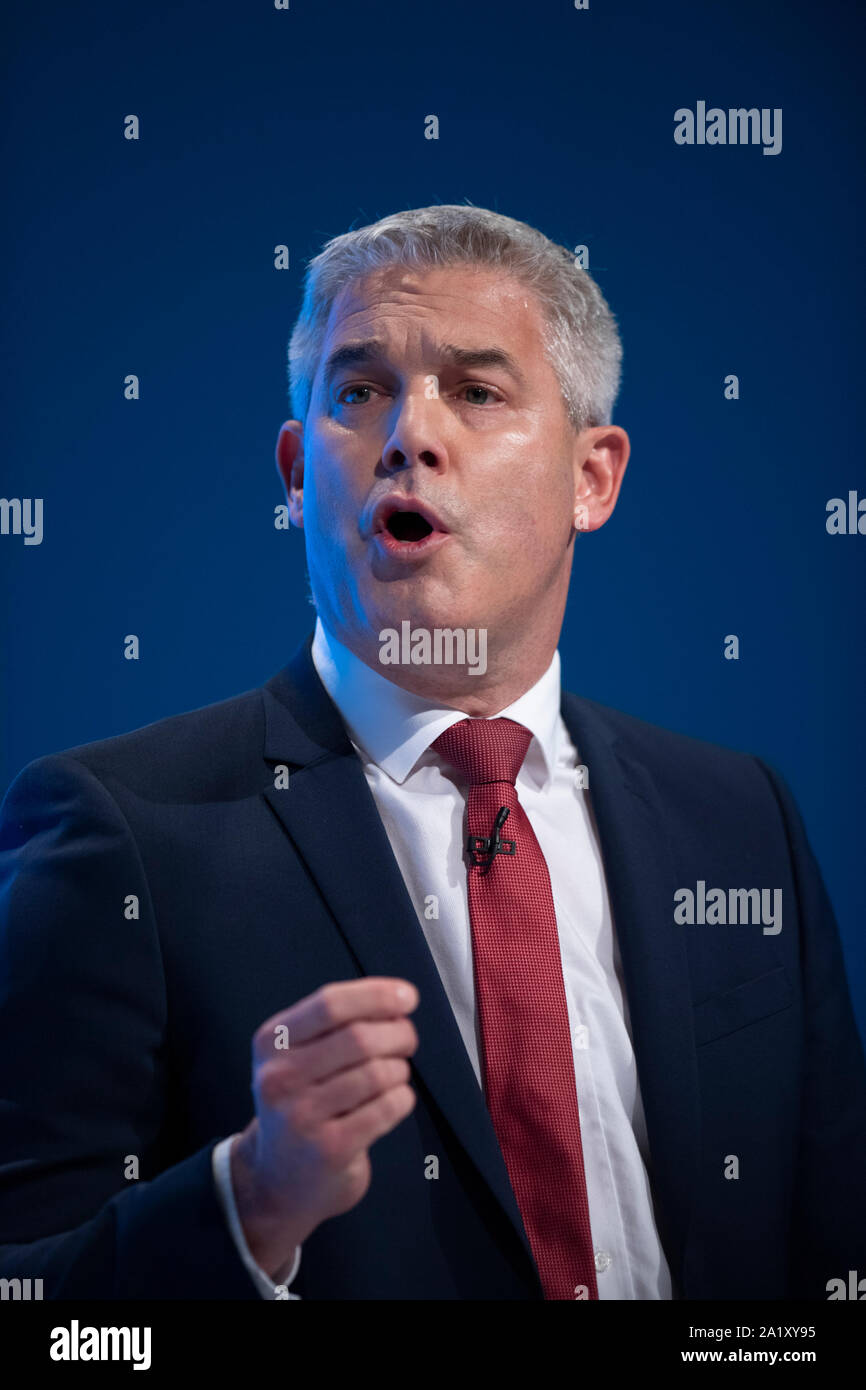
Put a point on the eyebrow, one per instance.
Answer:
(374, 350)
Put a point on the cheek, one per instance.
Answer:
(330, 501)
(525, 533)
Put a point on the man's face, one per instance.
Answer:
(433, 390)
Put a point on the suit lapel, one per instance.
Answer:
(330, 815)
(641, 884)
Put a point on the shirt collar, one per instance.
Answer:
(393, 727)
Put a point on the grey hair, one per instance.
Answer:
(580, 335)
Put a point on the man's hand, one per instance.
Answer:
(330, 1076)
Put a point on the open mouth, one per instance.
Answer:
(408, 526)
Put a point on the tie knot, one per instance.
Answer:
(485, 750)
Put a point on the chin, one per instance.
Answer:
(419, 615)
(422, 604)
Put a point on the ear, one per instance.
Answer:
(600, 458)
(290, 466)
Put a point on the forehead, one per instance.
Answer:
(405, 304)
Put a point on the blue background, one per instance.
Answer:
(260, 127)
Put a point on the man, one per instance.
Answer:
(631, 1068)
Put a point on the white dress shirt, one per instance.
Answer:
(421, 800)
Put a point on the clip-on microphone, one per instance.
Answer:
(484, 850)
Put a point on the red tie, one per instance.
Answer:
(528, 1061)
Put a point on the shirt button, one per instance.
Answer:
(602, 1260)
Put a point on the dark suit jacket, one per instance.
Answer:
(132, 1037)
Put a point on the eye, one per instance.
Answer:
(484, 390)
(349, 391)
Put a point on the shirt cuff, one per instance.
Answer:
(276, 1288)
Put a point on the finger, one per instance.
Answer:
(332, 1006)
(347, 1090)
(333, 1052)
(343, 1139)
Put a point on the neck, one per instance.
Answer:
(498, 671)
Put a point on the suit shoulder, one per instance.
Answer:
(656, 738)
(688, 768)
(210, 753)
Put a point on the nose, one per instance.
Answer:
(416, 433)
